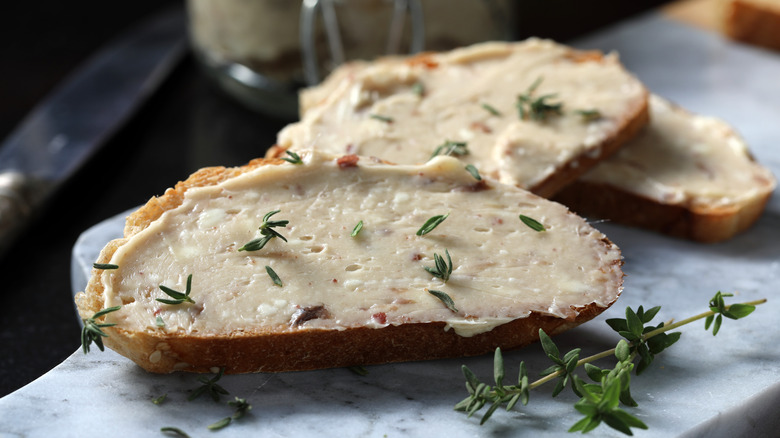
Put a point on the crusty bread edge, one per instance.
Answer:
(752, 23)
(705, 225)
(304, 349)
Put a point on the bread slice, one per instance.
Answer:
(753, 21)
(348, 296)
(403, 109)
(685, 175)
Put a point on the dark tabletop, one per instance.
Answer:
(186, 125)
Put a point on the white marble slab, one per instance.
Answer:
(724, 386)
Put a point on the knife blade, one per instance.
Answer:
(91, 104)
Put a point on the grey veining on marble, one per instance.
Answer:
(727, 385)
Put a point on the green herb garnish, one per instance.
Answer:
(418, 88)
(444, 298)
(271, 273)
(536, 108)
(451, 148)
(589, 115)
(175, 431)
(268, 232)
(159, 400)
(241, 409)
(600, 401)
(442, 269)
(92, 329)
(357, 229)
(360, 371)
(492, 110)
(735, 311)
(210, 386)
(532, 223)
(104, 266)
(381, 118)
(431, 223)
(294, 158)
(474, 172)
(178, 297)
(159, 322)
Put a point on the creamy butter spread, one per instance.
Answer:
(686, 159)
(502, 269)
(518, 151)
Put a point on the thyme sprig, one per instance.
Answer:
(210, 386)
(107, 266)
(537, 108)
(599, 401)
(242, 407)
(267, 231)
(441, 269)
(293, 157)
(450, 147)
(178, 297)
(92, 329)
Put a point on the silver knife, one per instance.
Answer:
(63, 131)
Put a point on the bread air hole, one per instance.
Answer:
(314, 249)
(353, 267)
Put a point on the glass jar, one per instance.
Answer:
(262, 52)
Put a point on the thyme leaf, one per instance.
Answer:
(431, 223)
(532, 223)
(381, 118)
(104, 266)
(442, 269)
(293, 157)
(357, 229)
(359, 370)
(159, 400)
(178, 297)
(418, 88)
(444, 298)
(274, 277)
(175, 431)
(92, 329)
(492, 110)
(588, 115)
(474, 172)
(450, 147)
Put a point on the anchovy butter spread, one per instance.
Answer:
(501, 269)
(686, 159)
(401, 109)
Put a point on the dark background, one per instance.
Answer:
(186, 125)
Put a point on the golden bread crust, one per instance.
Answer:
(706, 225)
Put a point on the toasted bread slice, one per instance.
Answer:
(535, 114)
(326, 293)
(753, 21)
(685, 175)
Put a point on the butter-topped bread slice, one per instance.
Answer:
(283, 278)
(685, 175)
(535, 113)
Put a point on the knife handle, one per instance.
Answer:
(17, 198)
